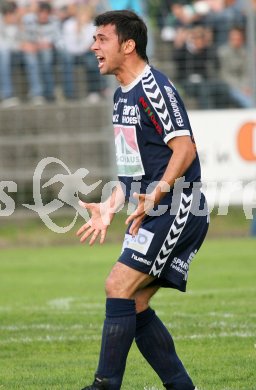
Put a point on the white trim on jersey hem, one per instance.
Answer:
(174, 134)
(127, 88)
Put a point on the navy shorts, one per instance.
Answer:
(166, 244)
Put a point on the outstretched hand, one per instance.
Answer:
(146, 203)
(96, 226)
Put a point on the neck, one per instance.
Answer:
(130, 71)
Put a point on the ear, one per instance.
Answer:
(129, 46)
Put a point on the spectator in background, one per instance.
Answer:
(9, 52)
(234, 69)
(157, 10)
(77, 33)
(197, 64)
(40, 34)
(63, 13)
(218, 15)
(181, 14)
(222, 15)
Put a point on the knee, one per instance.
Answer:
(141, 302)
(115, 289)
(109, 287)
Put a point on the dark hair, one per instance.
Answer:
(128, 26)
(45, 6)
(8, 7)
(239, 29)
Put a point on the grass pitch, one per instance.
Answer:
(52, 309)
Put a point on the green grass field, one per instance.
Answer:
(52, 308)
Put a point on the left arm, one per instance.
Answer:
(183, 155)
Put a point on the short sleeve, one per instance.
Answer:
(166, 106)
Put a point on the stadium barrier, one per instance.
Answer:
(80, 136)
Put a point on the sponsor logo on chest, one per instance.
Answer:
(128, 156)
(127, 115)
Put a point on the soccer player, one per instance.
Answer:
(158, 170)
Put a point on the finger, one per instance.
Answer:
(82, 204)
(86, 234)
(133, 229)
(85, 205)
(131, 218)
(135, 226)
(138, 196)
(94, 237)
(103, 236)
(83, 228)
(139, 211)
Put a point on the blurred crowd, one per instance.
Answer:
(46, 40)
(210, 50)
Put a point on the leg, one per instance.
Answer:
(93, 77)
(143, 297)
(156, 344)
(33, 74)
(120, 324)
(46, 65)
(67, 69)
(6, 74)
(240, 98)
(124, 282)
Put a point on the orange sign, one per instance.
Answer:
(246, 141)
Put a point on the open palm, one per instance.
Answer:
(97, 224)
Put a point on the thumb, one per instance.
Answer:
(138, 196)
(84, 204)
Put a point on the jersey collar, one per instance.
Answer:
(130, 86)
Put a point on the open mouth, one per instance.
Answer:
(101, 61)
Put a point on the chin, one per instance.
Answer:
(103, 71)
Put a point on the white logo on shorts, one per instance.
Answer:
(141, 259)
(139, 243)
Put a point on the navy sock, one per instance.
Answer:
(157, 346)
(117, 336)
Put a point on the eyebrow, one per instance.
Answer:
(98, 35)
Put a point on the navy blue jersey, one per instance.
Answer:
(147, 114)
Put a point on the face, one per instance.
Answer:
(108, 50)
(236, 38)
(11, 18)
(197, 38)
(43, 16)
